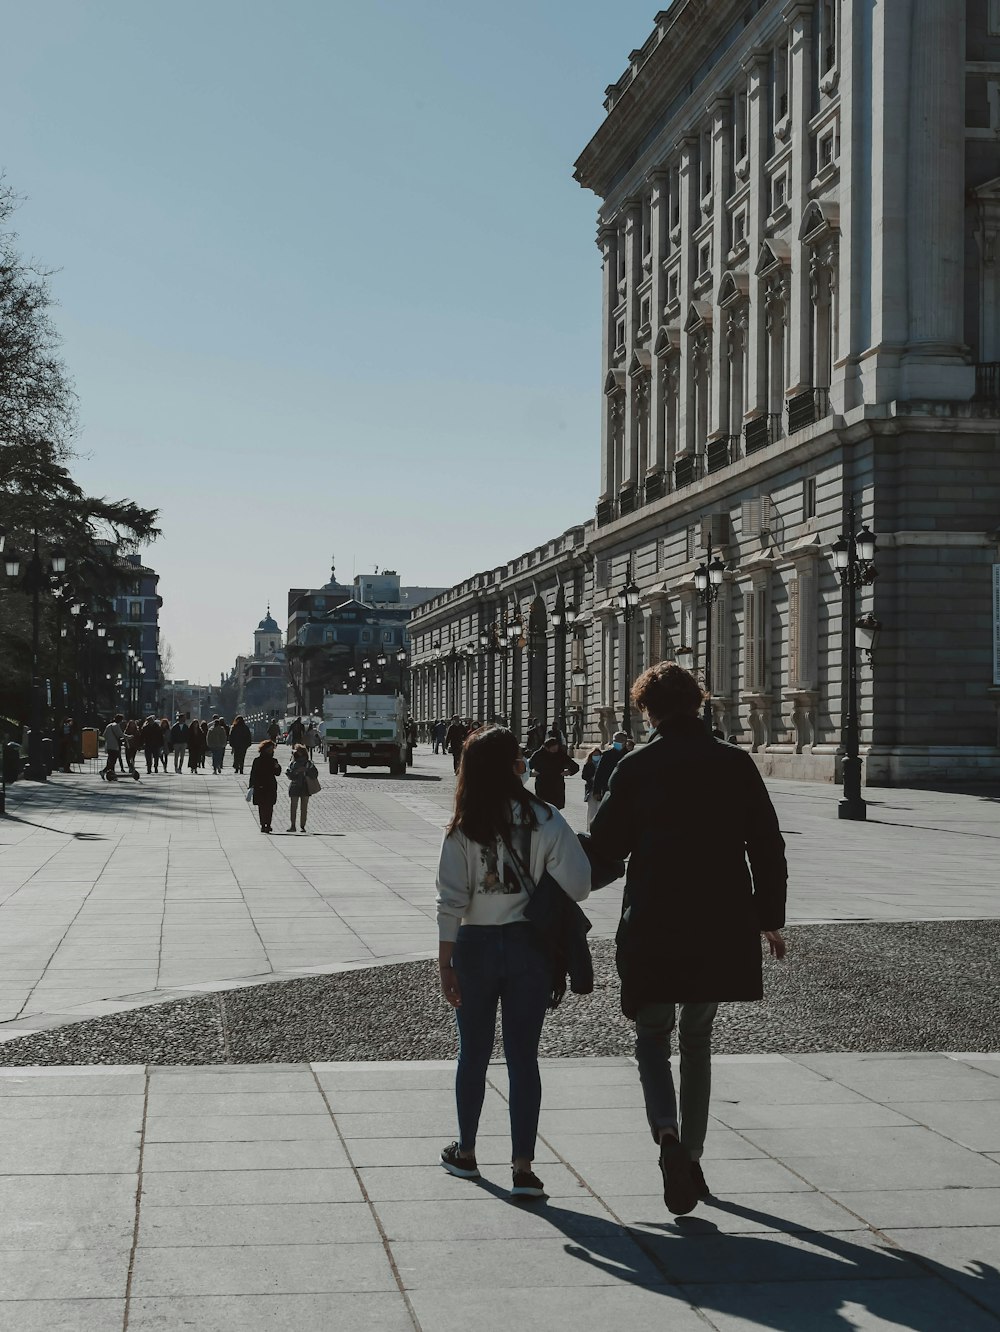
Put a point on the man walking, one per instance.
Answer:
(113, 738)
(691, 812)
(151, 739)
(178, 742)
(454, 739)
(437, 735)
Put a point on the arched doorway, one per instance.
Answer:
(538, 663)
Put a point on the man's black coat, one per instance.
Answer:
(690, 811)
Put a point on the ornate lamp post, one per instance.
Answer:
(403, 679)
(563, 618)
(628, 601)
(854, 560)
(707, 581)
(514, 632)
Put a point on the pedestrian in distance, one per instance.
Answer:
(313, 740)
(216, 740)
(535, 736)
(274, 732)
(588, 774)
(164, 741)
(179, 742)
(297, 731)
(301, 774)
(264, 773)
(607, 763)
(552, 765)
(114, 737)
(196, 745)
(240, 740)
(411, 739)
(438, 732)
(67, 744)
(700, 892)
(131, 745)
(151, 739)
(500, 841)
(454, 739)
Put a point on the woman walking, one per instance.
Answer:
(264, 773)
(588, 774)
(301, 773)
(217, 740)
(196, 746)
(240, 739)
(500, 842)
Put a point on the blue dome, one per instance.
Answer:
(268, 624)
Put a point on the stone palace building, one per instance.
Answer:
(799, 221)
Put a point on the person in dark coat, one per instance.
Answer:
(607, 763)
(552, 765)
(588, 774)
(455, 738)
(264, 773)
(690, 811)
(240, 740)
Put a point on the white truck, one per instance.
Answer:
(365, 731)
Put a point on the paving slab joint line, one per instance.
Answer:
(387, 1247)
(138, 1199)
(917, 1259)
(637, 1238)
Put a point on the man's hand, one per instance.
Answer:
(450, 987)
(775, 943)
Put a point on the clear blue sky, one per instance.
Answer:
(325, 280)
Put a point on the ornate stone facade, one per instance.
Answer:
(799, 207)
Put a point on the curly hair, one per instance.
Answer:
(667, 692)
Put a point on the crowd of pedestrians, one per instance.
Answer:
(188, 742)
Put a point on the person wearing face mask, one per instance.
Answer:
(609, 760)
(701, 891)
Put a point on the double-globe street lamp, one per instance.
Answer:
(34, 581)
(628, 601)
(854, 561)
(563, 619)
(708, 578)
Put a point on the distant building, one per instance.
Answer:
(263, 682)
(337, 628)
(194, 702)
(137, 611)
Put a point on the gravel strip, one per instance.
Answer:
(859, 987)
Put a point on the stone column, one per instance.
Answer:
(659, 221)
(757, 129)
(607, 239)
(933, 364)
(799, 17)
(689, 189)
(720, 111)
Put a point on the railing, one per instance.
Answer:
(988, 381)
(720, 452)
(605, 512)
(686, 470)
(807, 407)
(655, 487)
(761, 431)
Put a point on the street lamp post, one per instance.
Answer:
(628, 601)
(854, 560)
(707, 581)
(563, 618)
(514, 632)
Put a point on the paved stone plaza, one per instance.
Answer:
(131, 894)
(855, 1191)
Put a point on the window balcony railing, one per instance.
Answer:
(761, 431)
(807, 407)
(655, 487)
(988, 381)
(720, 452)
(686, 470)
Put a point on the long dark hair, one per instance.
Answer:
(487, 786)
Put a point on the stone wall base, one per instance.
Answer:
(932, 765)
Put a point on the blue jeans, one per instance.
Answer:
(653, 1026)
(505, 965)
(218, 755)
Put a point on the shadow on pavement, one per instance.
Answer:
(825, 1280)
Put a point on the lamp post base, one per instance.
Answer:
(852, 809)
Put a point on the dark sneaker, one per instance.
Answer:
(526, 1184)
(458, 1163)
(699, 1180)
(680, 1191)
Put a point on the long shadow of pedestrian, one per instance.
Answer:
(46, 827)
(805, 1278)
